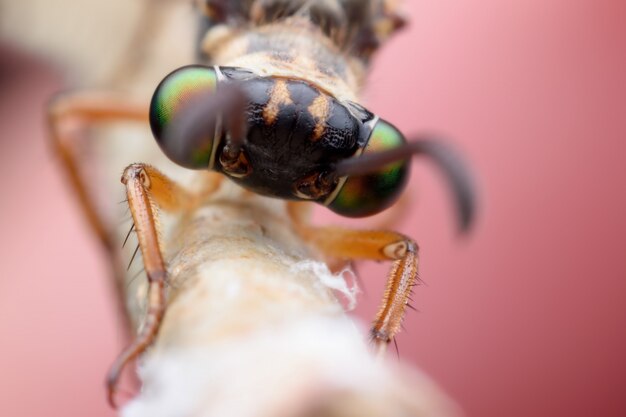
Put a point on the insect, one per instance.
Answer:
(273, 107)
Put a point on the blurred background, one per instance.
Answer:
(525, 316)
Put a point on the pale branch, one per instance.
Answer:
(254, 328)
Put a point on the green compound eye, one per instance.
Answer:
(365, 195)
(173, 93)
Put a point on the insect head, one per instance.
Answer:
(287, 138)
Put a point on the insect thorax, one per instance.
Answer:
(291, 48)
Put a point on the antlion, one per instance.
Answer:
(237, 315)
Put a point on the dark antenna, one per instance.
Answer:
(200, 116)
(449, 162)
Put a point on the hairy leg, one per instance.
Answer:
(373, 245)
(68, 117)
(148, 190)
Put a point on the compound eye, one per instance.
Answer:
(172, 96)
(368, 194)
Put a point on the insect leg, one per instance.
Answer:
(147, 189)
(82, 110)
(68, 115)
(371, 245)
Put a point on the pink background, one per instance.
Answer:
(526, 316)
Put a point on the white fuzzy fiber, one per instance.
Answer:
(284, 371)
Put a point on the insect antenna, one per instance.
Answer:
(446, 159)
(200, 117)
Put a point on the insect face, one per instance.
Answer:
(286, 141)
(296, 133)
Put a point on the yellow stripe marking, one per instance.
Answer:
(279, 96)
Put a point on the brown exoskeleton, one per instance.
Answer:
(278, 114)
